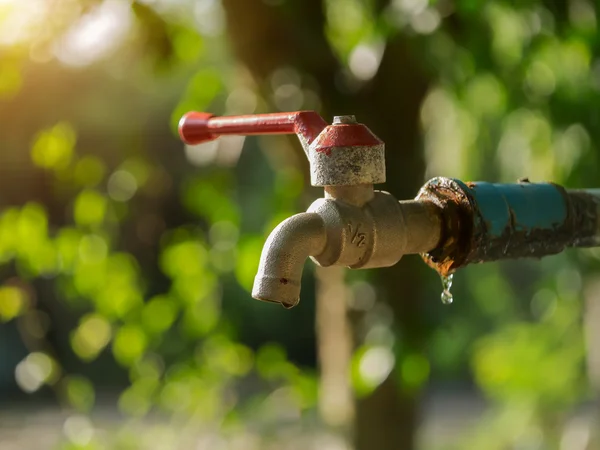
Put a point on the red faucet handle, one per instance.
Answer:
(199, 127)
(194, 129)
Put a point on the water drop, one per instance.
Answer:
(446, 285)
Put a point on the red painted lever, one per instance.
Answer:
(199, 127)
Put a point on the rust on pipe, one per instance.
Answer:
(487, 222)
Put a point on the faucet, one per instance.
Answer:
(450, 223)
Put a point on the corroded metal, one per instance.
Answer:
(451, 223)
(456, 228)
(487, 222)
(346, 153)
(584, 217)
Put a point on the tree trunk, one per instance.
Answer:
(592, 331)
(266, 38)
(336, 405)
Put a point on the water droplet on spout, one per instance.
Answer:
(446, 286)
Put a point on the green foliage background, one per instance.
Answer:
(126, 267)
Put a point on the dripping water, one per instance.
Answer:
(446, 285)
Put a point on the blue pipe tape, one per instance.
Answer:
(505, 209)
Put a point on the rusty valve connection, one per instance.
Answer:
(450, 223)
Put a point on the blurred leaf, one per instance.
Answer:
(187, 43)
(90, 208)
(226, 357)
(37, 369)
(138, 168)
(201, 90)
(67, 245)
(8, 233)
(200, 318)
(137, 399)
(154, 34)
(78, 392)
(193, 290)
(185, 259)
(129, 344)
(91, 336)
(509, 33)
(10, 79)
(271, 362)
(249, 250)
(32, 225)
(151, 366)
(89, 171)
(486, 96)
(414, 371)
(531, 361)
(305, 388)
(209, 199)
(53, 148)
(37, 254)
(348, 23)
(13, 302)
(159, 314)
(369, 367)
(470, 6)
(289, 183)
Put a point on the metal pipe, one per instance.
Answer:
(198, 127)
(357, 195)
(585, 204)
(487, 222)
(423, 227)
(282, 259)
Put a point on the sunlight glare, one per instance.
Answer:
(20, 21)
(96, 34)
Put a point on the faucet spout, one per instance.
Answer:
(283, 256)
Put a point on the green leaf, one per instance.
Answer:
(89, 171)
(13, 302)
(204, 86)
(91, 336)
(79, 392)
(53, 148)
(90, 208)
(10, 80)
(159, 314)
(369, 367)
(129, 344)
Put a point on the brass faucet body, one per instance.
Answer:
(344, 229)
(354, 225)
